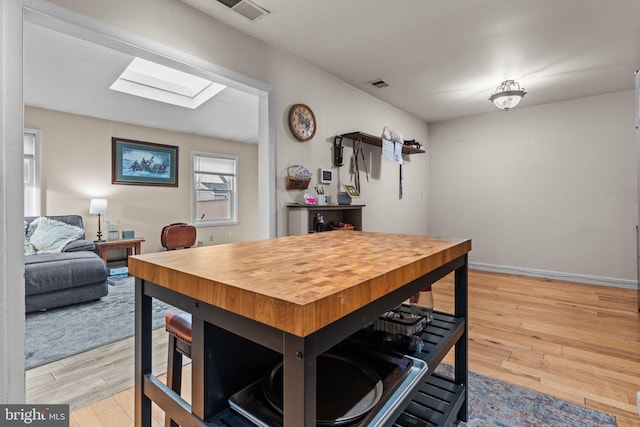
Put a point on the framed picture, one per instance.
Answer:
(353, 192)
(143, 163)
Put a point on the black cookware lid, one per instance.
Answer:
(346, 389)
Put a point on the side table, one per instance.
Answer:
(131, 245)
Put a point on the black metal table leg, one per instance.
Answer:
(142, 353)
(461, 349)
(299, 370)
(201, 378)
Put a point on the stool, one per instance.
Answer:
(178, 325)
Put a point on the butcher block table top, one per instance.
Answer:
(298, 284)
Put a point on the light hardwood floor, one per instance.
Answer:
(574, 341)
(91, 376)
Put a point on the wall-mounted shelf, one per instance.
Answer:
(377, 141)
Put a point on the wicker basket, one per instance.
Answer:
(294, 183)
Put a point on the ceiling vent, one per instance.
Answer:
(379, 83)
(246, 8)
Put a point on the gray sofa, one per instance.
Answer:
(74, 275)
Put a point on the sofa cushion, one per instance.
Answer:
(51, 236)
(55, 271)
(79, 245)
(64, 297)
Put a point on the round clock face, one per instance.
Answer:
(302, 122)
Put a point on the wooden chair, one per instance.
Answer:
(178, 235)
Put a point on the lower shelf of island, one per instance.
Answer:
(435, 402)
(438, 399)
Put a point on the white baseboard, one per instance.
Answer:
(571, 277)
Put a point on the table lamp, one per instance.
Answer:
(98, 207)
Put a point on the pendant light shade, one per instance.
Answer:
(507, 95)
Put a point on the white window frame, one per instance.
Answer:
(233, 220)
(33, 196)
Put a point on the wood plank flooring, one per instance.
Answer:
(574, 341)
(91, 376)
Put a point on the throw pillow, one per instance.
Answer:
(31, 228)
(28, 247)
(51, 236)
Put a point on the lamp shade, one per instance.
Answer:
(507, 95)
(98, 206)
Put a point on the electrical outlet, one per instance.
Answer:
(211, 237)
(230, 234)
(200, 243)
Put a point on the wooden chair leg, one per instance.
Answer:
(174, 373)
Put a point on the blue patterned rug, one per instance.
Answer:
(62, 332)
(496, 403)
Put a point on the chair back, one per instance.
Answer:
(178, 235)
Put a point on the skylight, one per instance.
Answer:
(154, 81)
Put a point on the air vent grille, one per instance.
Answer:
(229, 3)
(379, 83)
(246, 8)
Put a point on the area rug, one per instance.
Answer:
(500, 404)
(62, 332)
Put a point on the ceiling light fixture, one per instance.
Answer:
(507, 95)
(154, 81)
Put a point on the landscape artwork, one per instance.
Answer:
(144, 163)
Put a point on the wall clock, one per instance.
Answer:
(302, 122)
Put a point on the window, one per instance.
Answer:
(214, 192)
(31, 172)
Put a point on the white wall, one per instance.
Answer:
(338, 107)
(550, 187)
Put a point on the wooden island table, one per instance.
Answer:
(291, 298)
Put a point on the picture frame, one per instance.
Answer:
(353, 192)
(143, 163)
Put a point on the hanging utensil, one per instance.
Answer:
(352, 165)
(357, 176)
(400, 182)
(337, 151)
(364, 162)
(357, 146)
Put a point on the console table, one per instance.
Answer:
(291, 298)
(301, 217)
(131, 245)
